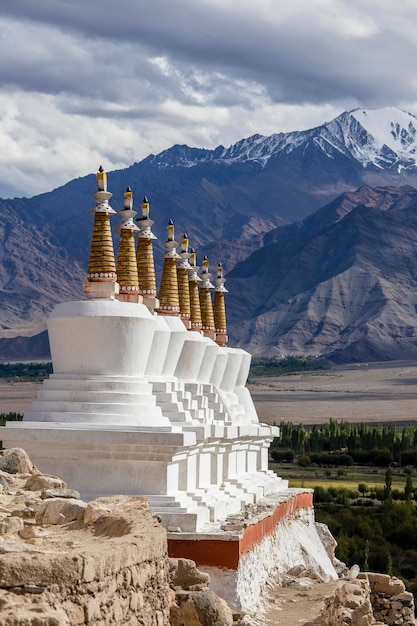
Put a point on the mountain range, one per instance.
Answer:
(314, 229)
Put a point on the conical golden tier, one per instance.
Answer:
(169, 303)
(206, 306)
(219, 311)
(195, 311)
(184, 292)
(146, 267)
(101, 265)
(126, 266)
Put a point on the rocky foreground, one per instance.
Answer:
(67, 562)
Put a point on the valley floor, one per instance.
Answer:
(374, 392)
(17, 397)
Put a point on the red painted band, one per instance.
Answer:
(218, 553)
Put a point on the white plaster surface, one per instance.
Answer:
(122, 376)
(232, 369)
(243, 374)
(191, 357)
(219, 367)
(294, 543)
(160, 342)
(100, 337)
(210, 355)
(176, 341)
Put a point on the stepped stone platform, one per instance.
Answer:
(112, 418)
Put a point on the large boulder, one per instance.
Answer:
(60, 511)
(37, 482)
(16, 461)
(200, 608)
(184, 574)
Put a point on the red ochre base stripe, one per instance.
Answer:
(225, 553)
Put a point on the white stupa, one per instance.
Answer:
(138, 404)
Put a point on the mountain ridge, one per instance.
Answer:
(341, 288)
(354, 134)
(233, 202)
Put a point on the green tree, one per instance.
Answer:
(363, 488)
(408, 489)
(388, 484)
(366, 553)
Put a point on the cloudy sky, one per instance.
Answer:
(85, 82)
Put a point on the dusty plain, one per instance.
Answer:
(374, 393)
(16, 396)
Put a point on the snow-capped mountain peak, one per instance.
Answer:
(385, 138)
(391, 127)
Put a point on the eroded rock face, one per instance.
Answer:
(60, 511)
(185, 575)
(112, 504)
(66, 562)
(20, 610)
(44, 481)
(59, 566)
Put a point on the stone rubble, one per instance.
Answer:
(370, 600)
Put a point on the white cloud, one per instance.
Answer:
(90, 82)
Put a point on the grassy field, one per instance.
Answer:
(317, 476)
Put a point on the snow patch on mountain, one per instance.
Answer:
(385, 138)
(390, 138)
(390, 127)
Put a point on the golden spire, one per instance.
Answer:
(126, 267)
(101, 277)
(194, 279)
(144, 258)
(183, 268)
(206, 304)
(219, 307)
(169, 303)
(101, 179)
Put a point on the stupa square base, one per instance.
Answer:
(191, 475)
(267, 539)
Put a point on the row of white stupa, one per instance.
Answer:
(138, 404)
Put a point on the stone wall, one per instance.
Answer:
(370, 600)
(391, 603)
(65, 562)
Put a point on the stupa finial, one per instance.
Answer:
(183, 268)
(101, 179)
(145, 259)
